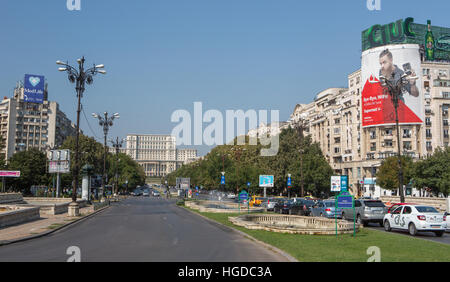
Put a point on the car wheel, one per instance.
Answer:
(387, 226)
(412, 229)
(439, 233)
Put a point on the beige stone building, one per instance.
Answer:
(157, 154)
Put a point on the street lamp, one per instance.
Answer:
(80, 77)
(106, 122)
(300, 127)
(117, 145)
(395, 89)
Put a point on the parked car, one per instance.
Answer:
(366, 211)
(146, 192)
(272, 202)
(256, 201)
(136, 192)
(282, 206)
(415, 218)
(301, 206)
(327, 209)
(155, 193)
(447, 215)
(231, 196)
(395, 205)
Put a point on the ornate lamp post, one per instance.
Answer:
(80, 77)
(395, 89)
(117, 145)
(106, 122)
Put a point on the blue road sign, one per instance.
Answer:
(344, 183)
(289, 182)
(345, 202)
(248, 184)
(222, 180)
(243, 195)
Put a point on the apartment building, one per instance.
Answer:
(27, 125)
(157, 154)
(333, 120)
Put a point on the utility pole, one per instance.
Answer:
(117, 145)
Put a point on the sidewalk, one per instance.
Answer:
(44, 224)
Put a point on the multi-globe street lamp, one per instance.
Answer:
(80, 77)
(106, 122)
(395, 89)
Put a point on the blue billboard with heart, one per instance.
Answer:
(34, 88)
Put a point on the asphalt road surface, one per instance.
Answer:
(142, 229)
(422, 235)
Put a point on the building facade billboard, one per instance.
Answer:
(33, 90)
(392, 62)
(266, 181)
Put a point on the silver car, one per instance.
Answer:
(326, 209)
(366, 211)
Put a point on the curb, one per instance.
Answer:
(8, 242)
(267, 246)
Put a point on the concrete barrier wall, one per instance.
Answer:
(19, 215)
(6, 198)
(293, 224)
(439, 203)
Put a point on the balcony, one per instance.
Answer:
(429, 148)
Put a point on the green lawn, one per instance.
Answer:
(346, 248)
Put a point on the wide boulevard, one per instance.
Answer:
(142, 229)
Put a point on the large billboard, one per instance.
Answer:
(266, 181)
(434, 41)
(391, 61)
(34, 88)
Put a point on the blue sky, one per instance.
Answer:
(164, 55)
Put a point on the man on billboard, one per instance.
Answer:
(393, 73)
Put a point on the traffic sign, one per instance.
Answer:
(243, 195)
(289, 182)
(8, 173)
(222, 180)
(248, 184)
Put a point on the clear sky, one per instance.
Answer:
(163, 55)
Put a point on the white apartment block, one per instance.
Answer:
(157, 154)
(333, 120)
(27, 125)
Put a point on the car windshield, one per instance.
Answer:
(426, 209)
(374, 204)
(329, 204)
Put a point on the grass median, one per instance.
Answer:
(346, 248)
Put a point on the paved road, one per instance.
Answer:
(422, 235)
(142, 229)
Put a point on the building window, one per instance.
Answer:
(428, 133)
(406, 133)
(407, 145)
(428, 121)
(373, 146)
(373, 134)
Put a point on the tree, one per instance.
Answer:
(247, 168)
(434, 172)
(32, 165)
(387, 175)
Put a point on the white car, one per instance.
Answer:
(415, 218)
(231, 196)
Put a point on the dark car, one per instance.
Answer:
(301, 206)
(282, 206)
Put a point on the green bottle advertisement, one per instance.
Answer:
(429, 43)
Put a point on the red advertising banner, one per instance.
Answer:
(393, 62)
(7, 173)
